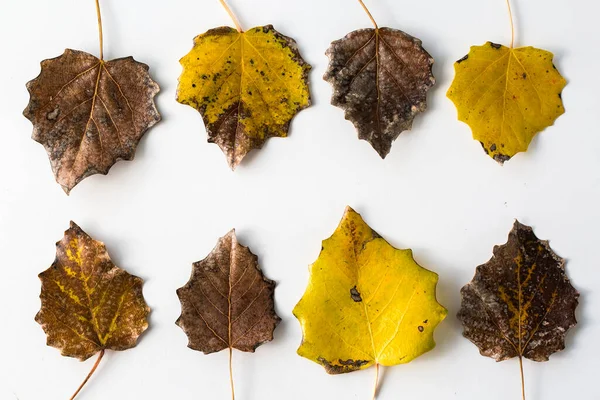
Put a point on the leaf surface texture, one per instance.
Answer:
(366, 302)
(246, 85)
(507, 96)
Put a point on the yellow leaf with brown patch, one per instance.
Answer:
(246, 85)
(367, 302)
(507, 96)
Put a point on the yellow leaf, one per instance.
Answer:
(247, 86)
(507, 96)
(366, 302)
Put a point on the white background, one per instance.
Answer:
(437, 193)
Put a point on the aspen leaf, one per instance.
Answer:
(246, 85)
(521, 302)
(366, 302)
(380, 78)
(89, 113)
(89, 305)
(227, 303)
(507, 95)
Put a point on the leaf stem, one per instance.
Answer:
(87, 378)
(512, 24)
(376, 378)
(522, 377)
(368, 13)
(231, 373)
(232, 16)
(100, 30)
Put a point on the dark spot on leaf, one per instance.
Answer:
(421, 329)
(463, 59)
(496, 46)
(355, 295)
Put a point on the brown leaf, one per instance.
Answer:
(88, 303)
(90, 113)
(380, 78)
(227, 303)
(520, 303)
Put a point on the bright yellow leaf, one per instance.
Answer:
(507, 96)
(247, 86)
(366, 302)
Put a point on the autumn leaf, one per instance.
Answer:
(89, 305)
(507, 95)
(520, 303)
(380, 79)
(246, 85)
(366, 303)
(227, 303)
(89, 113)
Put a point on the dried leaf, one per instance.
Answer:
(89, 304)
(227, 303)
(507, 96)
(246, 85)
(520, 303)
(380, 79)
(366, 302)
(90, 113)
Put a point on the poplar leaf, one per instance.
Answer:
(227, 303)
(246, 85)
(507, 96)
(366, 302)
(88, 303)
(380, 79)
(521, 302)
(89, 113)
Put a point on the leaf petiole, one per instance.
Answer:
(368, 13)
(100, 30)
(376, 381)
(512, 24)
(232, 15)
(522, 377)
(87, 378)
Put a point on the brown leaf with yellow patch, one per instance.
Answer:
(521, 302)
(89, 113)
(89, 305)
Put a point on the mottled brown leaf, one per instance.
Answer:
(520, 303)
(227, 303)
(89, 304)
(90, 113)
(380, 79)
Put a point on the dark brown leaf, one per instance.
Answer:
(380, 78)
(520, 303)
(89, 113)
(227, 303)
(88, 303)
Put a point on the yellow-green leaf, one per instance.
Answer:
(246, 85)
(366, 302)
(507, 96)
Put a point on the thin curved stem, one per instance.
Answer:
(512, 24)
(376, 381)
(368, 13)
(231, 373)
(87, 378)
(232, 16)
(100, 30)
(522, 377)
